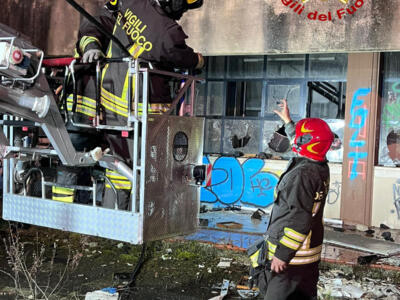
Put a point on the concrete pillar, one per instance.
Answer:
(360, 137)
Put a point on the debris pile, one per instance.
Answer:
(337, 284)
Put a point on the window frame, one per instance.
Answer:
(266, 81)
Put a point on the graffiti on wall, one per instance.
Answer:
(358, 119)
(334, 192)
(391, 110)
(396, 196)
(233, 183)
(247, 183)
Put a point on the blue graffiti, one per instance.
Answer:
(358, 120)
(227, 179)
(233, 183)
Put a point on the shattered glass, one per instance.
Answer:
(275, 93)
(212, 136)
(389, 140)
(335, 154)
(199, 99)
(215, 98)
(269, 128)
(247, 134)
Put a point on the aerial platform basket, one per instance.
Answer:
(169, 207)
(166, 165)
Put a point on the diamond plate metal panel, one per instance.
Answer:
(107, 223)
(171, 201)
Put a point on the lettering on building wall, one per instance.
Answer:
(346, 8)
(358, 118)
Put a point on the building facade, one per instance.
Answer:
(337, 60)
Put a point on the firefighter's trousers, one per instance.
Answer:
(65, 176)
(295, 283)
(118, 195)
(82, 141)
(120, 198)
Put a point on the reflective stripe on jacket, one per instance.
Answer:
(85, 110)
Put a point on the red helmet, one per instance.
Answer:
(313, 138)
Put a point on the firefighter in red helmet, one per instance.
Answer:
(149, 30)
(292, 250)
(313, 138)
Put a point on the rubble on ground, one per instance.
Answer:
(337, 285)
(178, 269)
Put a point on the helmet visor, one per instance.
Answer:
(193, 4)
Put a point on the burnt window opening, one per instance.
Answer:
(243, 98)
(326, 100)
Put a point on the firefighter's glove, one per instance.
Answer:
(92, 55)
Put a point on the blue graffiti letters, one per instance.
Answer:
(233, 183)
(358, 119)
(226, 182)
(259, 186)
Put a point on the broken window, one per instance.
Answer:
(241, 93)
(326, 100)
(243, 98)
(241, 136)
(389, 145)
(290, 92)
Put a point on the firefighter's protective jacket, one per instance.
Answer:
(295, 232)
(85, 110)
(148, 33)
